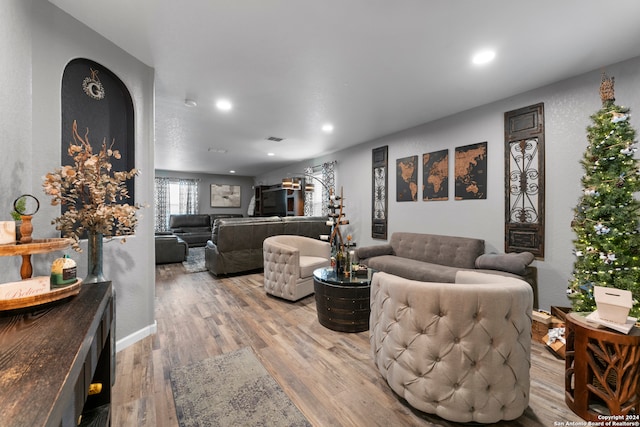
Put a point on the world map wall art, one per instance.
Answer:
(407, 179)
(471, 171)
(435, 179)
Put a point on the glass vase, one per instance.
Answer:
(94, 254)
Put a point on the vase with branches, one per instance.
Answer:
(93, 198)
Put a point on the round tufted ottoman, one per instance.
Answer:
(458, 350)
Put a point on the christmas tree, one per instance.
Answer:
(607, 244)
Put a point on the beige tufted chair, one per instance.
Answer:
(289, 262)
(458, 350)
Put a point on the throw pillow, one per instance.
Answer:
(515, 263)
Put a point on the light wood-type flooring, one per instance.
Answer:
(329, 375)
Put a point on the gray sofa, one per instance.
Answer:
(195, 229)
(235, 244)
(437, 258)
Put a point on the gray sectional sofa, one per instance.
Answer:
(195, 229)
(235, 244)
(437, 258)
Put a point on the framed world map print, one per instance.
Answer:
(471, 171)
(407, 179)
(435, 175)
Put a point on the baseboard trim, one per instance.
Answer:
(136, 336)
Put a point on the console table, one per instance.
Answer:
(602, 370)
(50, 355)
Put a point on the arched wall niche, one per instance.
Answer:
(94, 97)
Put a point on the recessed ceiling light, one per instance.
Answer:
(271, 154)
(327, 128)
(232, 171)
(484, 57)
(224, 105)
(190, 103)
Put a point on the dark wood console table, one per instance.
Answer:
(602, 370)
(49, 356)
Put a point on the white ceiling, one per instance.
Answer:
(370, 67)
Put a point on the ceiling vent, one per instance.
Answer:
(274, 139)
(217, 150)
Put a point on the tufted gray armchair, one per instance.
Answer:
(458, 350)
(289, 262)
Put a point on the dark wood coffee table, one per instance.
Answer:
(342, 302)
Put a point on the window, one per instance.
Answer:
(317, 201)
(323, 178)
(174, 196)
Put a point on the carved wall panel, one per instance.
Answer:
(524, 180)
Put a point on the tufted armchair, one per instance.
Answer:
(289, 262)
(458, 350)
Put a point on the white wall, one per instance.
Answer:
(37, 41)
(568, 107)
(15, 112)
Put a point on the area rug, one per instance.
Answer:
(232, 389)
(195, 260)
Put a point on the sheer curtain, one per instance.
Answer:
(188, 196)
(161, 203)
(329, 178)
(174, 196)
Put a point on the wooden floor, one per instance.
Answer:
(329, 375)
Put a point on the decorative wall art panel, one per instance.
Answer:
(524, 180)
(435, 175)
(225, 196)
(471, 171)
(379, 164)
(407, 179)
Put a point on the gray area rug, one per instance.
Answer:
(195, 260)
(232, 389)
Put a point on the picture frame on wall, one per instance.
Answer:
(225, 196)
(471, 171)
(407, 179)
(435, 179)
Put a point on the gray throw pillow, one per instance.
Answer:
(515, 263)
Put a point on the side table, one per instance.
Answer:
(342, 302)
(602, 370)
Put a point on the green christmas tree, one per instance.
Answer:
(606, 218)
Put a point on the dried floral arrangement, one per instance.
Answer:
(91, 191)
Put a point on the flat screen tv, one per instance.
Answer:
(274, 202)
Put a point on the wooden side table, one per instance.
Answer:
(602, 370)
(342, 302)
